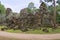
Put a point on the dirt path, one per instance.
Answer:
(29, 36)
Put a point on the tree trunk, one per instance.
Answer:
(54, 14)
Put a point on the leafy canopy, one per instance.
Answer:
(2, 9)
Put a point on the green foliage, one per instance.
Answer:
(48, 0)
(2, 9)
(58, 13)
(58, 1)
(51, 31)
(14, 31)
(58, 8)
(29, 10)
(50, 8)
(31, 5)
(2, 13)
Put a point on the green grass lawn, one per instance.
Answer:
(33, 31)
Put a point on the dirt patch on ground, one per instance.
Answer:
(30, 36)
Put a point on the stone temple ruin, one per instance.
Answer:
(41, 18)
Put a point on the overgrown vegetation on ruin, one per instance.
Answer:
(31, 18)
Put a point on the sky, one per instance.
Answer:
(17, 5)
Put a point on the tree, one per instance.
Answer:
(48, 0)
(54, 15)
(29, 10)
(2, 13)
(31, 5)
(2, 9)
(58, 13)
(58, 1)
